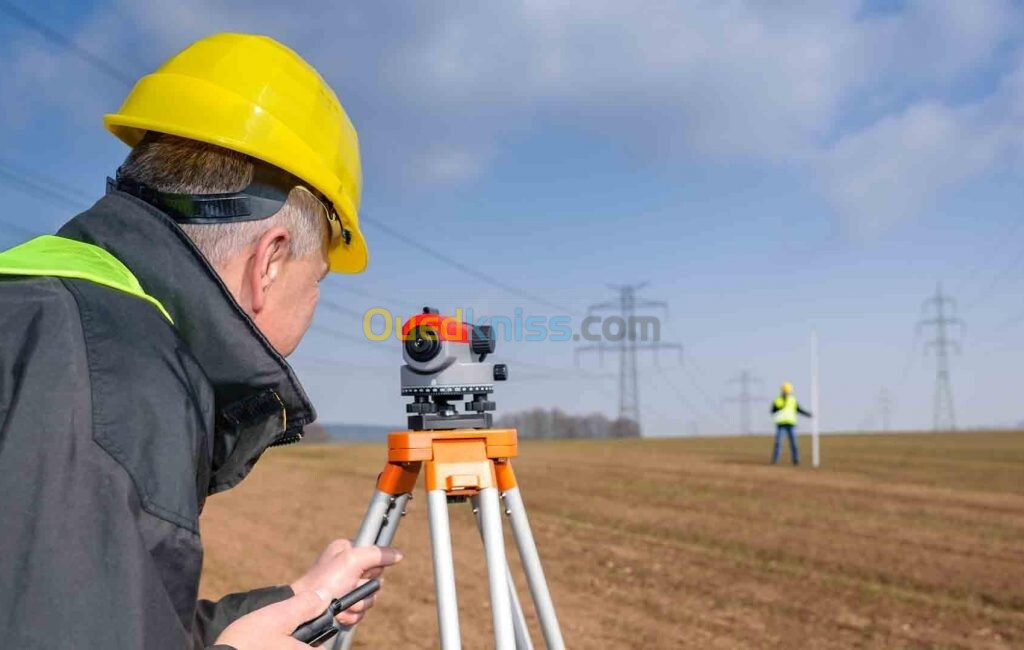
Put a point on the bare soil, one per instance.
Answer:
(913, 540)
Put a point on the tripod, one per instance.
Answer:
(462, 464)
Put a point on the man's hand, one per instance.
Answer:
(341, 568)
(338, 570)
(271, 627)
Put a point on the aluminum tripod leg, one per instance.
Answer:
(497, 568)
(444, 570)
(394, 517)
(374, 519)
(522, 631)
(379, 526)
(534, 571)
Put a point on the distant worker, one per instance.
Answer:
(785, 409)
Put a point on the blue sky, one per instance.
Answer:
(768, 168)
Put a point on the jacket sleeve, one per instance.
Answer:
(213, 616)
(802, 411)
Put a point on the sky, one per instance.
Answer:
(768, 169)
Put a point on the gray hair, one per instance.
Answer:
(171, 164)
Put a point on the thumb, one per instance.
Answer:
(289, 614)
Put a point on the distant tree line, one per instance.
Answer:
(316, 434)
(554, 423)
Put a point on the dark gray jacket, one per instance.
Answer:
(114, 427)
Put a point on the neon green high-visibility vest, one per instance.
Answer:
(60, 257)
(787, 410)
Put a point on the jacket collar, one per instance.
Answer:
(259, 401)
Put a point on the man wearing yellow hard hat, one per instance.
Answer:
(142, 357)
(784, 410)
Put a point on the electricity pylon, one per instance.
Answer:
(941, 309)
(745, 398)
(622, 336)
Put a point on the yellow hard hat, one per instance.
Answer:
(787, 388)
(253, 95)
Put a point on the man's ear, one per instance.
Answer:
(269, 255)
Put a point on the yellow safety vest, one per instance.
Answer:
(786, 413)
(60, 257)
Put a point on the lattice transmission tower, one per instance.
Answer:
(745, 398)
(635, 330)
(939, 313)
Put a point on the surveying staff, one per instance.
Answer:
(142, 357)
(785, 409)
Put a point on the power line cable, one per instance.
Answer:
(339, 308)
(989, 290)
(564, 372)
(371, 295)
(450, 261)
(992, 254)
(697, 384)
(680, 395)
(42, 187)
(57, 38)
(652, 409)
(343, 336)
(19, 231)
(35, 188)
(687, 359)
(908, 364)
(1007, 324)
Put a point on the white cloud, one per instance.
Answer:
(903, 164)
(897, 168)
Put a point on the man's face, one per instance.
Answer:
(291, 300)
(277, 290)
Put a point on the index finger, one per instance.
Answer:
(368, 557)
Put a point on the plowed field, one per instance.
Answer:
(911, 540)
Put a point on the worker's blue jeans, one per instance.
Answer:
(793, 450)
